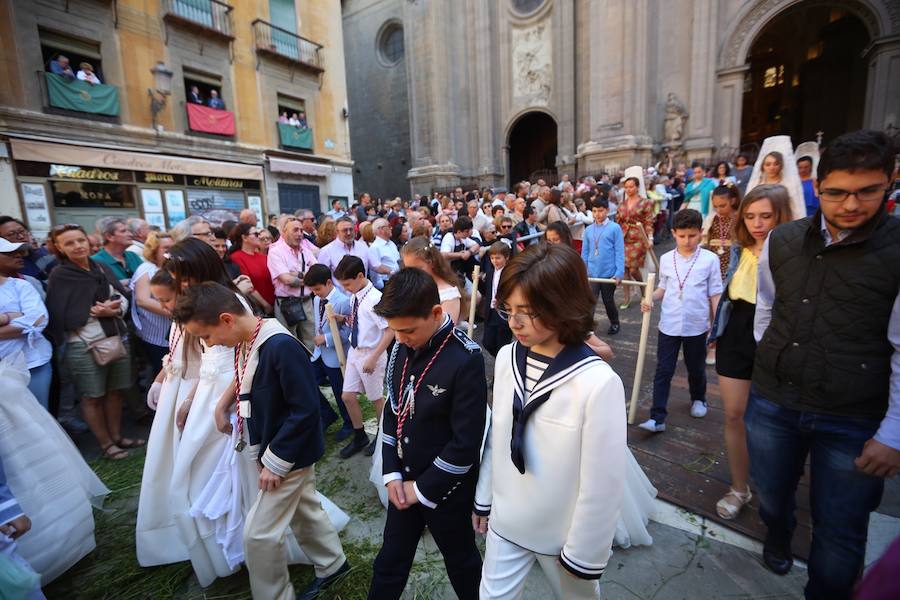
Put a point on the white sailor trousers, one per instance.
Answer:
(506, 566)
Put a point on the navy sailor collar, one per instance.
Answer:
(570, 361)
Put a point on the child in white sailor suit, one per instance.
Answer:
(553, 470)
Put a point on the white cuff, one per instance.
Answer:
(425, 501)
(276, 465)
(389, 477)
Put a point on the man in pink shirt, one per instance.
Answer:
(288, 262)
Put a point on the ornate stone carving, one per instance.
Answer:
(532, 64)
(675, 117)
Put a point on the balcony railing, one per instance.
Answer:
(75, 98)
(208, 16)
(284, 44)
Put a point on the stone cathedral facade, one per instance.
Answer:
(487, 92)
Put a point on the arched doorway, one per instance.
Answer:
(807, 74)
(532, 147)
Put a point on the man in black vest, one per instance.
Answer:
(826, 381)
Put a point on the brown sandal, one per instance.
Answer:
(130, 443)
(120, 454)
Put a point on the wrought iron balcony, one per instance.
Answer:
(286, 45)
(207, 16)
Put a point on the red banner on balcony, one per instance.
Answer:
(210, 120)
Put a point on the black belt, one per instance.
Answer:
(307, 297)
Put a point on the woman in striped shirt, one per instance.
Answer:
(151, 319)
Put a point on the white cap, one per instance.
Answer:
(7, 246)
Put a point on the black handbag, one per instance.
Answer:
(292, 310)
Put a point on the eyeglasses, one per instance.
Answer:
(519, 318)
(21, 233)
(506, 227)
(869, 194)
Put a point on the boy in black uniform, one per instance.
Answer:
(433, 431)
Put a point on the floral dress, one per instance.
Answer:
(631, 220)
(719, 241)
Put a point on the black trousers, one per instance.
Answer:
(451, 527)
(607, 292)
(496, 333)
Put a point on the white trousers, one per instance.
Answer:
(506, 566)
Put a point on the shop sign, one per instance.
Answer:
(88, 173)
(222, 183)
(160, 178)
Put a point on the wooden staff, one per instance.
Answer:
(336, 336)
(476, 274)
(642, 348)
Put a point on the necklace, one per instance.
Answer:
(682, 282)
(724, 232)
(173, 344)
(242, 354)
(407, 406)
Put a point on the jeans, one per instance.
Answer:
(666, 356)
(39, 385)
(607, 291)
(841, 497)
(336, 379)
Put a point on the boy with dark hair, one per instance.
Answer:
(459, 248)
(496, 331)
(366, 358)
(603, 252)
(826, 377)
(528, 226)
(690, 284)
(279, 407)
(324, 358)
(433, 429)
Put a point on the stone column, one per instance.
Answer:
(564, 84)
(699, 141)
(729, 103)
(883, 84)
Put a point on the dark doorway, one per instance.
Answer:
(292, 197)
(532, 148)
(806, 75)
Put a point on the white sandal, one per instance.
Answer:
(727, 509)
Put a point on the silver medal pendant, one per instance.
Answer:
(721, 250)
(399, 449)
(681, 294)
(239, 447)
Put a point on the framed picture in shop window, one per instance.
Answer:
(175, 207)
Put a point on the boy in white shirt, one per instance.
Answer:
(690, 284)
(366, 359)
(459, 248)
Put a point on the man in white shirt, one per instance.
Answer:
(345, 243)
(140, 229)
(384, 258)
(479, 219)
(459, 248)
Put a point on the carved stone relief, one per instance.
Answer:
(532, 64)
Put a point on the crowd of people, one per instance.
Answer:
(232, 329)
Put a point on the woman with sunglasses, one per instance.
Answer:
(246, 254)
(87, 304)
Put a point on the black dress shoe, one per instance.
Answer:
(319, 584)
(343, 433)
(357, 444)
(777, 558)
(370, 449)
(613, 329)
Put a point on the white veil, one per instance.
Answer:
(790, 177)
(810, 149)
(638, 173)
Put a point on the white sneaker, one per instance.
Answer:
(652, 426)
(698, 409)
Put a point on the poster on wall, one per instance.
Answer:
(216, 206)
(36, 211)
(152, 201)
(156, 220)
(254, 203)
(175, 206)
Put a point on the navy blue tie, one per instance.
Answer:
(354, 328)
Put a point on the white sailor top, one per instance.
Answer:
(570, 440)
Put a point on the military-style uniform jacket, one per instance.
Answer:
(442, 437)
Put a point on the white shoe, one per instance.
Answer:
(698, 409)
(652, 426)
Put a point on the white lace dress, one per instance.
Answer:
(156, 537)
(48, 477)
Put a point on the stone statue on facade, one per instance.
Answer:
(675, 117)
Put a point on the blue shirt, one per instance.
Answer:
(603, 250)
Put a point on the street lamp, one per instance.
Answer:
(162, 78)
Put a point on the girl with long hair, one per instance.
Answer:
(421, 253)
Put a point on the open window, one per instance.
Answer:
(76, 50)
(205, 84)
(294, 127)
(292, 108)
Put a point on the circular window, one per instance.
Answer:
(390, 44)
(526, 6)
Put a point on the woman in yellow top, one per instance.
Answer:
(761, 210)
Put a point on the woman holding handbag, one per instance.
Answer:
(86, 304)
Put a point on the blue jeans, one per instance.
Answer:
(41, 377)
(667, 348)
(840, 496)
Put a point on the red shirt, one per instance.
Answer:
(255, 266)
